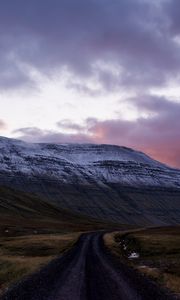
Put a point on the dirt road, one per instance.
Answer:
(87, 272)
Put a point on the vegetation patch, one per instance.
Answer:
(23, 255)
(34, 231)
(154, 252)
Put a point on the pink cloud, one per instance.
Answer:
(150, 137)
(2, 125)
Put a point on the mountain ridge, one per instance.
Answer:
(28, 157)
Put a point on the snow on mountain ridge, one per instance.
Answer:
(84, 163)
(78, 153)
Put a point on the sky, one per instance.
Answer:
(94, 71)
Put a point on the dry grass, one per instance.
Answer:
(159, 253)
(34, 231)
(20, 256)
(110, 242)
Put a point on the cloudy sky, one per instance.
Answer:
(95, 71)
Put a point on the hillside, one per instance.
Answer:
(22, 213)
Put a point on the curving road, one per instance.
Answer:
(87, 272)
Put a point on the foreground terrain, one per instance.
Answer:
(33, 232)
(23, 255)
(154, 252)
(39, 238)
(87, 271)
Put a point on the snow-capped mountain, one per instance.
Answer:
(98, 180)
(69, 162)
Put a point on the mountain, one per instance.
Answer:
(101, 181)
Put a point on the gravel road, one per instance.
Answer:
(87, 272)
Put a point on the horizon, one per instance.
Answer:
(96, 73)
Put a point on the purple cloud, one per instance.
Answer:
(132, 35)
(67, 124)
(36, 135)
(172, 10)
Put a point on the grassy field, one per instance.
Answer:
(154, 252)
(22, 255)
(33, 232)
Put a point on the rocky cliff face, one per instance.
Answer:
(107, 182)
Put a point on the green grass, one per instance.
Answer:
(159, 253)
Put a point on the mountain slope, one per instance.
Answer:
(21, 212)
(102, 181)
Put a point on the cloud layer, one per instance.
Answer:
(131, 45)
(157, 134)
(122, 42)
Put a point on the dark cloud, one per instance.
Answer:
(132, 35)
(68, 125)
(155, 104)
(172, 9)
(33, 134)
(157, 135)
